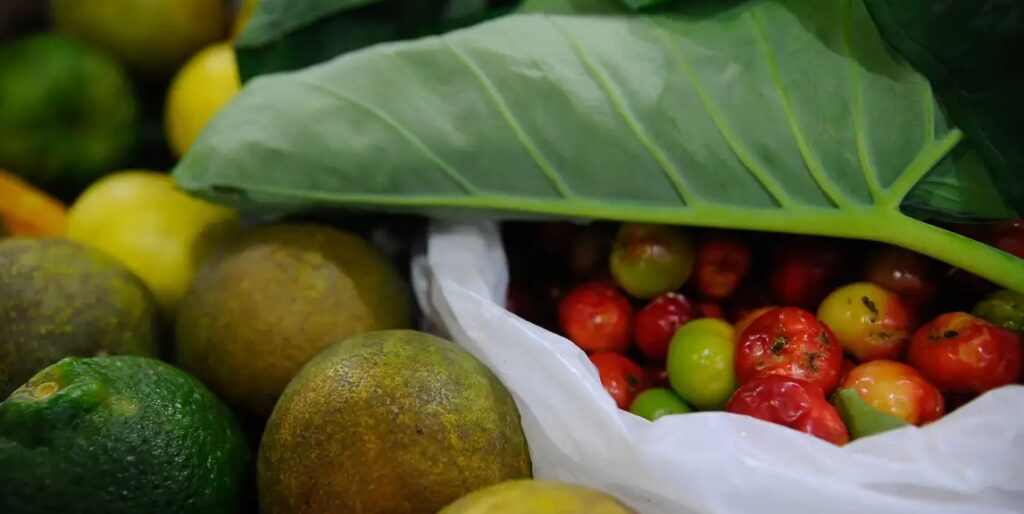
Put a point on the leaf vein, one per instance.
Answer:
(492, 94)
(810, 160)
(669, 169)
(742, 155)
(448, 170)
(866, 167)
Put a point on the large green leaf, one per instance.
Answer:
(786, 115)
(971, 53)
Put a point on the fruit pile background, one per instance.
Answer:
(779, 327)
(161, 353)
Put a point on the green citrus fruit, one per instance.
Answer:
(392, 421)
(119, 435)
(67, 112)
(258, 311)
(59, 299)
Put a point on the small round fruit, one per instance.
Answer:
(700, 363)
(848, 366)
(745, 322)
(789, 341)
(710, 310)
(205, 84)
(961, 353)
(621, 377)
(596, 317)
(897, 389)
(536, 497)
(912, 276)
(657, 402)
(803, 269)
(649, 260)
(723, 259)
(657, 322)
(792, 403)
(161, 233)
(870, 322)
(1003, 308)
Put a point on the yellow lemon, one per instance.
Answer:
(207, 82)
(159, 232)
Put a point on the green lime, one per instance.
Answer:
(657, 402)
(119, 435)
(67, 112)
(700, 363)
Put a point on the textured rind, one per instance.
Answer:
(60, 299)
(259, 311)
(414, 422)
(122, 435)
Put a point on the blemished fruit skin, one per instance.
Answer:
(119, 435)
(68, 113)
(60, 299)
(262, 308)
(389, 422)
(869, 321)
(537, 497)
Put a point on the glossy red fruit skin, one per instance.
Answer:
(961, 353)
(789, 341)
(621, 377)
(657, 375)
(804, 269)
(912, 276)
(722, 261)
(596, 317)
(792, 403)
(656, 323)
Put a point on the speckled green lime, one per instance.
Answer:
(60, 299)
(1004, 308)
(68, 113)
(389, 422)
(119, 435)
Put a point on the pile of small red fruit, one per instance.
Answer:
(836, 338)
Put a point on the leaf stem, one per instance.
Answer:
(925, 160)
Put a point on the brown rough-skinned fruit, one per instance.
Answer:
(537, 497)
(260, 310)
(389, 422)
(60, 299)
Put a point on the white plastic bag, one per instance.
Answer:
(971, 461)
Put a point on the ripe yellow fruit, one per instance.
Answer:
(159, 232)
(205, 84)
(152, 36)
